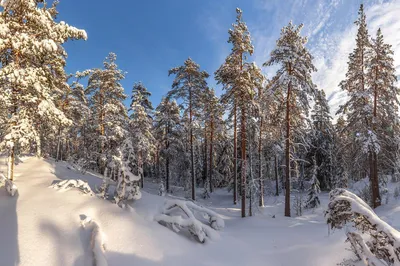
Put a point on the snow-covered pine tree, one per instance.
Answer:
(240, 80)
(188, 84)
(141, 124)
(360, 107)
(32, 75)
(293, 82)
(322, 140)
(167, 118)
(109, 115)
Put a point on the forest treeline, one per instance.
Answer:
(262, 136)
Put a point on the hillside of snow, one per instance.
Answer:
(42, 226)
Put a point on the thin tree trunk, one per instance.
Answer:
(191, 146)
(211, 156)
(375, 184)
(276, 176)
(141, 172)
(235, 187)
(251, 176)
(11, 162)
(243, 158)
(205, 166)
(287, 153)
(261, 180)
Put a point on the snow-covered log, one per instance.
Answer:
(73, 183)
(191, 222)
(383, 244)
(97, 242)
(9, 185)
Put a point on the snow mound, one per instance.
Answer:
(68, 184)
(97, 242)
(191, 222)
(10, 187)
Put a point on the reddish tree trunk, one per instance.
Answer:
(211, 155)
(235, 192)
(243, 158)
(287, 152)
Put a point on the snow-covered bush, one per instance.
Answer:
(161, 189)
(396, 193)
(171, 215)
(68, 184)
(9, 185)
(382, 246)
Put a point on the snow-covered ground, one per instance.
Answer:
(42, 226)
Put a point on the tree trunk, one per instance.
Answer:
(376, 198)
(211, 156)
(205, 167)
(276, 177)
(261, 180)
(11, 162)
(235, 187)
(140, 168)
(251, 176)
(191, 146)
(287, 153)
(243, 158)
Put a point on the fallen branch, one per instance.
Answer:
(73, 183)
(383, 246)
(194, 226)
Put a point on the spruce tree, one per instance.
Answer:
(293, 82)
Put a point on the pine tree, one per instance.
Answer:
(109, 115)
(240, 80)
(141, 124)
(32, 75)
(188, 84)
(166, 120)
(293, 82)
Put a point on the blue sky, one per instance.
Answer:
(150, 37)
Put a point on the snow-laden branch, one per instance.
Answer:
(97, 242)
(384, 241)
(195, 227)
(73, 183)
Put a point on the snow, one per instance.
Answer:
(42, 226)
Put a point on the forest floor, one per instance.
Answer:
(42, 226)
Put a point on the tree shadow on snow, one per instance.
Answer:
(9, 248)
(63, 172)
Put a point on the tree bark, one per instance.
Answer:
(376, 198)
(287, 153)
(211, 155)
(243, 158)
(205, 168)
(191, 146)
(235, 187)
(261, 181)
(276, 177)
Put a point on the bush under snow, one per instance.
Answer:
(9, 185)
(373, 240)
(171, 215)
